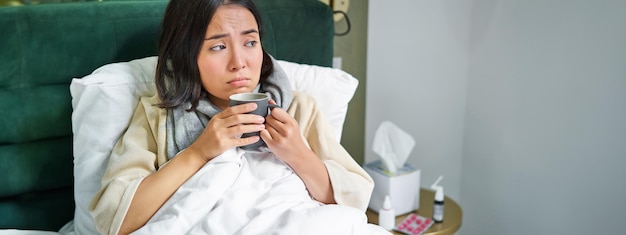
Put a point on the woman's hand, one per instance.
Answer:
(225, 129)
(282, 135)
(221, 133)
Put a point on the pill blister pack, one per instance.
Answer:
(414, 224)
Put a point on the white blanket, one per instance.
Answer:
(243, 192)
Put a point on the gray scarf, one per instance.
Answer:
(184, 127)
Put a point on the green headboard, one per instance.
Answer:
(44, 46)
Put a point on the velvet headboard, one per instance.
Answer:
(45, 46)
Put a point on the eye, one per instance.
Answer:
(217, 48)
(251, 43)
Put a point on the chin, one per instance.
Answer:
(241, 90)
(245, 89)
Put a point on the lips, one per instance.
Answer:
(238, 81)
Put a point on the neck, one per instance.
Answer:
(220, 103)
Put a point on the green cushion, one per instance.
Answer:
(47, 210)
(48, 45)
(45, 46)
(300, 31)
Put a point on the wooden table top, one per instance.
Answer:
(452, 215)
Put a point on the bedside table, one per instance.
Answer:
(452, 215)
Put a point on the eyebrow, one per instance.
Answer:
(218, 36)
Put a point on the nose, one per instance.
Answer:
(237, 60)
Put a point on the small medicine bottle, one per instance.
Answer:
(386, 215)
(438, 205)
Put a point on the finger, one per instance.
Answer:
(266, 136)
(277, 129)
(238, 130)
(272, 101)
(243, 119)
(280, 114)
(274, 123)
(270, 136)
(247, 140)
(237, 109)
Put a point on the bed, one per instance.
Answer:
(62, 61)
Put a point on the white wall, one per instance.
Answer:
(416, 78)
(520, 104)
(545, 140)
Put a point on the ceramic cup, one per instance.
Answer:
(263, 107)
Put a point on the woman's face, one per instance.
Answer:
(231, 56)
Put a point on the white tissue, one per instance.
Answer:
(393, 145)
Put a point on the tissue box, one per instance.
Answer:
(402, 187)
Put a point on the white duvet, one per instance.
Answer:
(242, 192)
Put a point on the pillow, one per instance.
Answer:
(331, 88)
(104, 101)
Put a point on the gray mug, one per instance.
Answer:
(263, 107)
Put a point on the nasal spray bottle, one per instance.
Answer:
(386, 215)
(438, 206)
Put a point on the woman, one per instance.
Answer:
(209, 50)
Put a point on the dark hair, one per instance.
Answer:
(182, 33)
